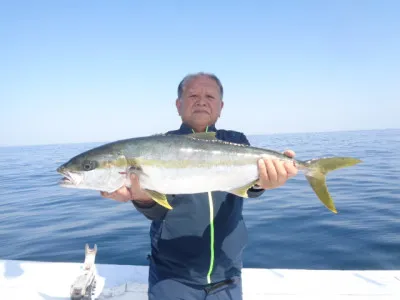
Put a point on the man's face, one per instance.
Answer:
(201, 103)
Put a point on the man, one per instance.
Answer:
(196, 248)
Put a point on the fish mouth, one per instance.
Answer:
(70, 178)
(66, 180)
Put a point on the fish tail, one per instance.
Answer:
(316, 176)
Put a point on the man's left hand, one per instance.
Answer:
(274, 172)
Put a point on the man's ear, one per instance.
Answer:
(178, 106)
(222, 106)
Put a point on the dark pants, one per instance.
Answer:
(173, 290)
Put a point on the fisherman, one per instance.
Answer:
(196, 248)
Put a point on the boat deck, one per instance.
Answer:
(28, 280)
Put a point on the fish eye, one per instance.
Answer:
(89, 165)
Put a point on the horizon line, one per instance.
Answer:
(248, 135)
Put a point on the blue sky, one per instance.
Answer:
(84, 71)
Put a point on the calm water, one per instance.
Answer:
(288, 227)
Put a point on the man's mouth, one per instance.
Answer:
(201, 111)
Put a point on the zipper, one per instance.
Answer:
(212, 252)
(211, 204)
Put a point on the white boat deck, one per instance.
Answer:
(27, 280)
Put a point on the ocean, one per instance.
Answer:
(288, 227)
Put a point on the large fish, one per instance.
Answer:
(186, 164)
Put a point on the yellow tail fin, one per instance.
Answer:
(316, 176)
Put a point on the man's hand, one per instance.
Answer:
(274, 173)
(134, 193)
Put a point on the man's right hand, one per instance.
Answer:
(134, 193)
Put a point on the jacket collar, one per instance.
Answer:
(186, 129)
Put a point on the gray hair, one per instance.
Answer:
(189, 77)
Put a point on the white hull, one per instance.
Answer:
(51, 281)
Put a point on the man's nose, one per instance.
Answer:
(201, 101)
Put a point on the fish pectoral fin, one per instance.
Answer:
(134, 167)
(159, 198)
(203, 135)
(242, 191)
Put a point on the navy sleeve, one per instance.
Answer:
(252, 192)
(155, 212)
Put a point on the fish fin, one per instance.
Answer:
(316, 176)
(203, 135)
(159, 198)
(242, 191)
(133, 169)
(134, 166)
